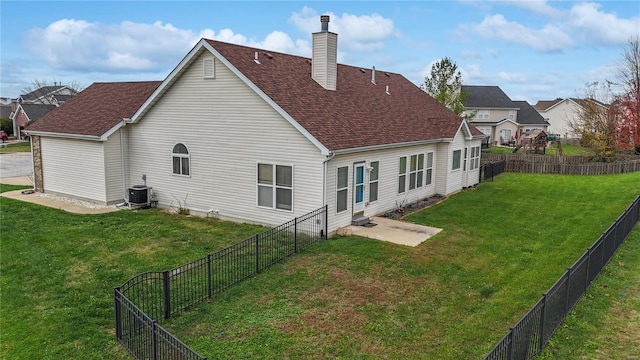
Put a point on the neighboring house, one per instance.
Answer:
(529, 120)
(560, 112)
(50, 95)
(493, 113)
(253, 135)
(26, 113)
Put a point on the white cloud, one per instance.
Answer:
(548, 38)
(512, 77)
(537, 7)
(356, 32)
(472, 75)
(470, 55)
(78, 45)
(598, 27)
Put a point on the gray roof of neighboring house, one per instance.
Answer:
(38, 93)
(487, 97)
(36, 111)
(5, 111)
(528, 115)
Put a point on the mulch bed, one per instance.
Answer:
(405, 210)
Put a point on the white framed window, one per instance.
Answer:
(512, 114)
(181, 160)
(505, 135)
(208, 69)
(275, 186)
(429, 169)
(374, 175)
(416, 171)
(464, 159)
(402, 177)
(482, 114)
(455, 161)
(342, 188)
(475, 158)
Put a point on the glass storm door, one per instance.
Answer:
(358, 187)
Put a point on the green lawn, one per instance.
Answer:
(16, 147)
(504, 243)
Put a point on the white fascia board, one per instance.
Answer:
(64, 135)
(464, 126)
(507, 120)
(105, 136)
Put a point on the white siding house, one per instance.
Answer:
(250, 135)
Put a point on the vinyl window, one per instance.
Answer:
(455, 163)
(275, 186)
(342, 188)
(373, 181)
(181, 160)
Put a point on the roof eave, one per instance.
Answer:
(390, 146)
(64, 135)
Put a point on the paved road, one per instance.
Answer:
(14, 165)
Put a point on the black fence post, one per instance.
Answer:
(209, 289)
(295, 235)
(154, 341)
(118, 312)
(167, 294)
(257, 253)
(542, 315)
(510, 346)
(568, 289)
(326, 222)
(587, 281)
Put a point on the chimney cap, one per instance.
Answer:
(324, 21)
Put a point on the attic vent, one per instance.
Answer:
(208, 69)
(362, 70)
(373, 75)
(268, 55)
(386, 90)
(255, 58)
(388, 75)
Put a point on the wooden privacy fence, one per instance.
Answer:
(564, 165)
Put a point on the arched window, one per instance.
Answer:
(180, 160)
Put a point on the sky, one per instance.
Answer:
(532, 50)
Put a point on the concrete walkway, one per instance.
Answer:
(397, 232)
(57, 202)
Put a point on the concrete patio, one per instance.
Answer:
(394, 231)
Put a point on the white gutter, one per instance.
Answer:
(64, 135)
(390, 146)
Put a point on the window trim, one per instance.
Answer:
(274, 185)
(377, 181)
(402, 175)
(428, 180)
(181, 157)
(453, 160)
(339, 189)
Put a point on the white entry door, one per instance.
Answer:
(358, 187)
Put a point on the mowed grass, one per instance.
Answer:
(453, 297)
(58, 271)
(16, 148)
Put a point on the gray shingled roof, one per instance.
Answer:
(36, 111)
(38, 93)
(5, 111)
(487, 97)
(528, 115)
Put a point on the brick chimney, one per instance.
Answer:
(324, 63)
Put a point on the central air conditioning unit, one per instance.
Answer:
(139, 196)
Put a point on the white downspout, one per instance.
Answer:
(122, 167)
(324, 177)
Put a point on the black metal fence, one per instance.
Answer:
(151, 296)
(489, 170)
(532, 333)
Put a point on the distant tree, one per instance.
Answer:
(629, 101)
(596, 121)
(445, 85)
